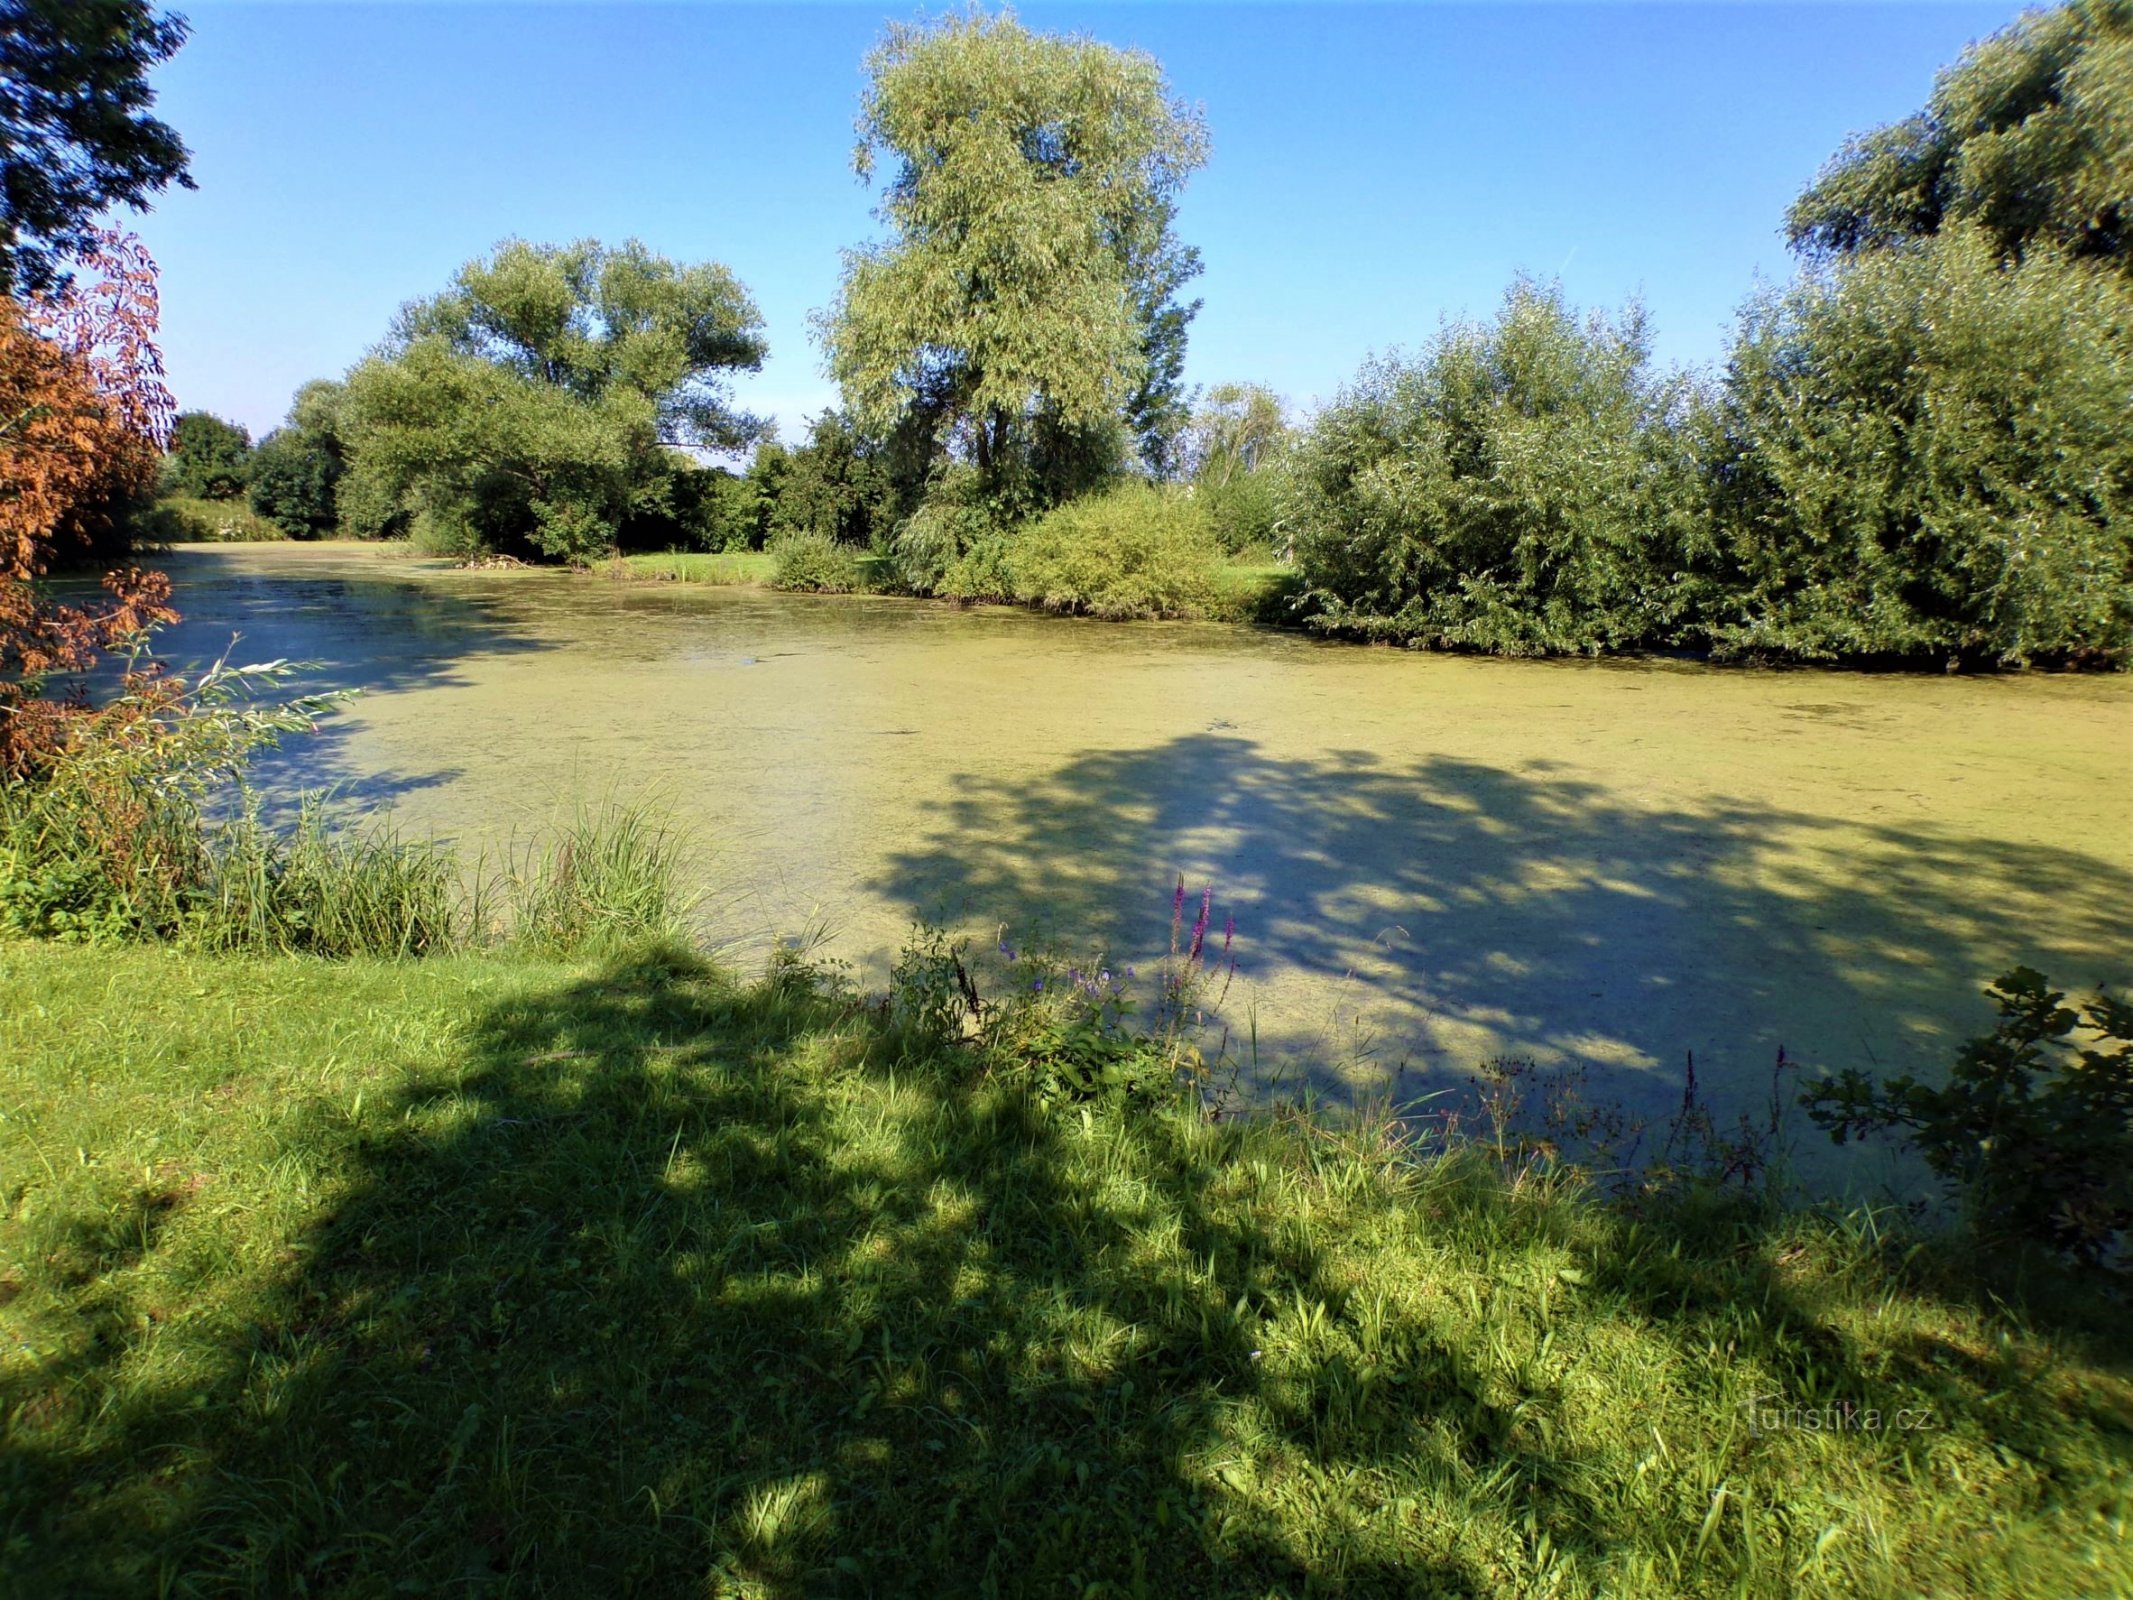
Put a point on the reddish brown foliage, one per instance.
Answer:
(83, 413)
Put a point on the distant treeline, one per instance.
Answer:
(1921, 450)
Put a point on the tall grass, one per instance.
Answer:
(602, 876)
(319, 890)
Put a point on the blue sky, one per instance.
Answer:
(1375, 168)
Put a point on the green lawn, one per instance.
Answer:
(485, 1275)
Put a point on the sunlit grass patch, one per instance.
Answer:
(695, 566)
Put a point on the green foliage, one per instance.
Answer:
(296, 469)
(594, 320)
(1133, 551)
(2026, 139)
(811, 562)
(1523, 486)
(1021, 314)
(956, 536)
(75, 135)
(209, 459)
(932, 998)
(1926, 454)
(836, 486)
(465, 454)
(178, 519)
(1236, 453)
(535, 404)
(2035, 1127)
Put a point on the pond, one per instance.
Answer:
(1430, 860)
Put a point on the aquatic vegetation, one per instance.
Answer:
(603, 875)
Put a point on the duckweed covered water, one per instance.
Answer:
(1430, 860)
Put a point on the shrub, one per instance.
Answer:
(1926, 453)
(955, 517)
(1245, 509)
(103, 838)
(808, 561)
(2035, 1128)
(984, 571)
(1131, 551)
(1524, 486)
(1237, 449)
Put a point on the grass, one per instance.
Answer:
(681, 566)
(183, 519)
(1250, 590)
(1257, 590)
(497, 1275)
(599, 877)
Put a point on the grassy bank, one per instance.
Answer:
(185, 519)
(489, 1274)
(687, 566)
(1253, 590)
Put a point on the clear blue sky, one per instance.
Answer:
(1374, 169)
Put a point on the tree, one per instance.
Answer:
(594, 321)
(537, 404)
(83, 414)
(75, 136)
(1523, 487)
(209, 458)
(1233, 451)
(296, 469)
(2029, 137)
(836, 486)
(1022, 313)
(1925, 453)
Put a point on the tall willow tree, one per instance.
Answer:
(1022, 314)
(2028, 138)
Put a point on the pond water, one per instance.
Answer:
(1431, 860)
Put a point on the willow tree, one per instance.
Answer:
(2029, 138)
(542, 399)
(1022, 313)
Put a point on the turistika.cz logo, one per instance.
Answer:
(1770, 1413)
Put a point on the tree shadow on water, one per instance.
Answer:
(1487, 909)
(377, 634)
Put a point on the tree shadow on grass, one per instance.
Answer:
(1482, 909)
(667, 1287)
